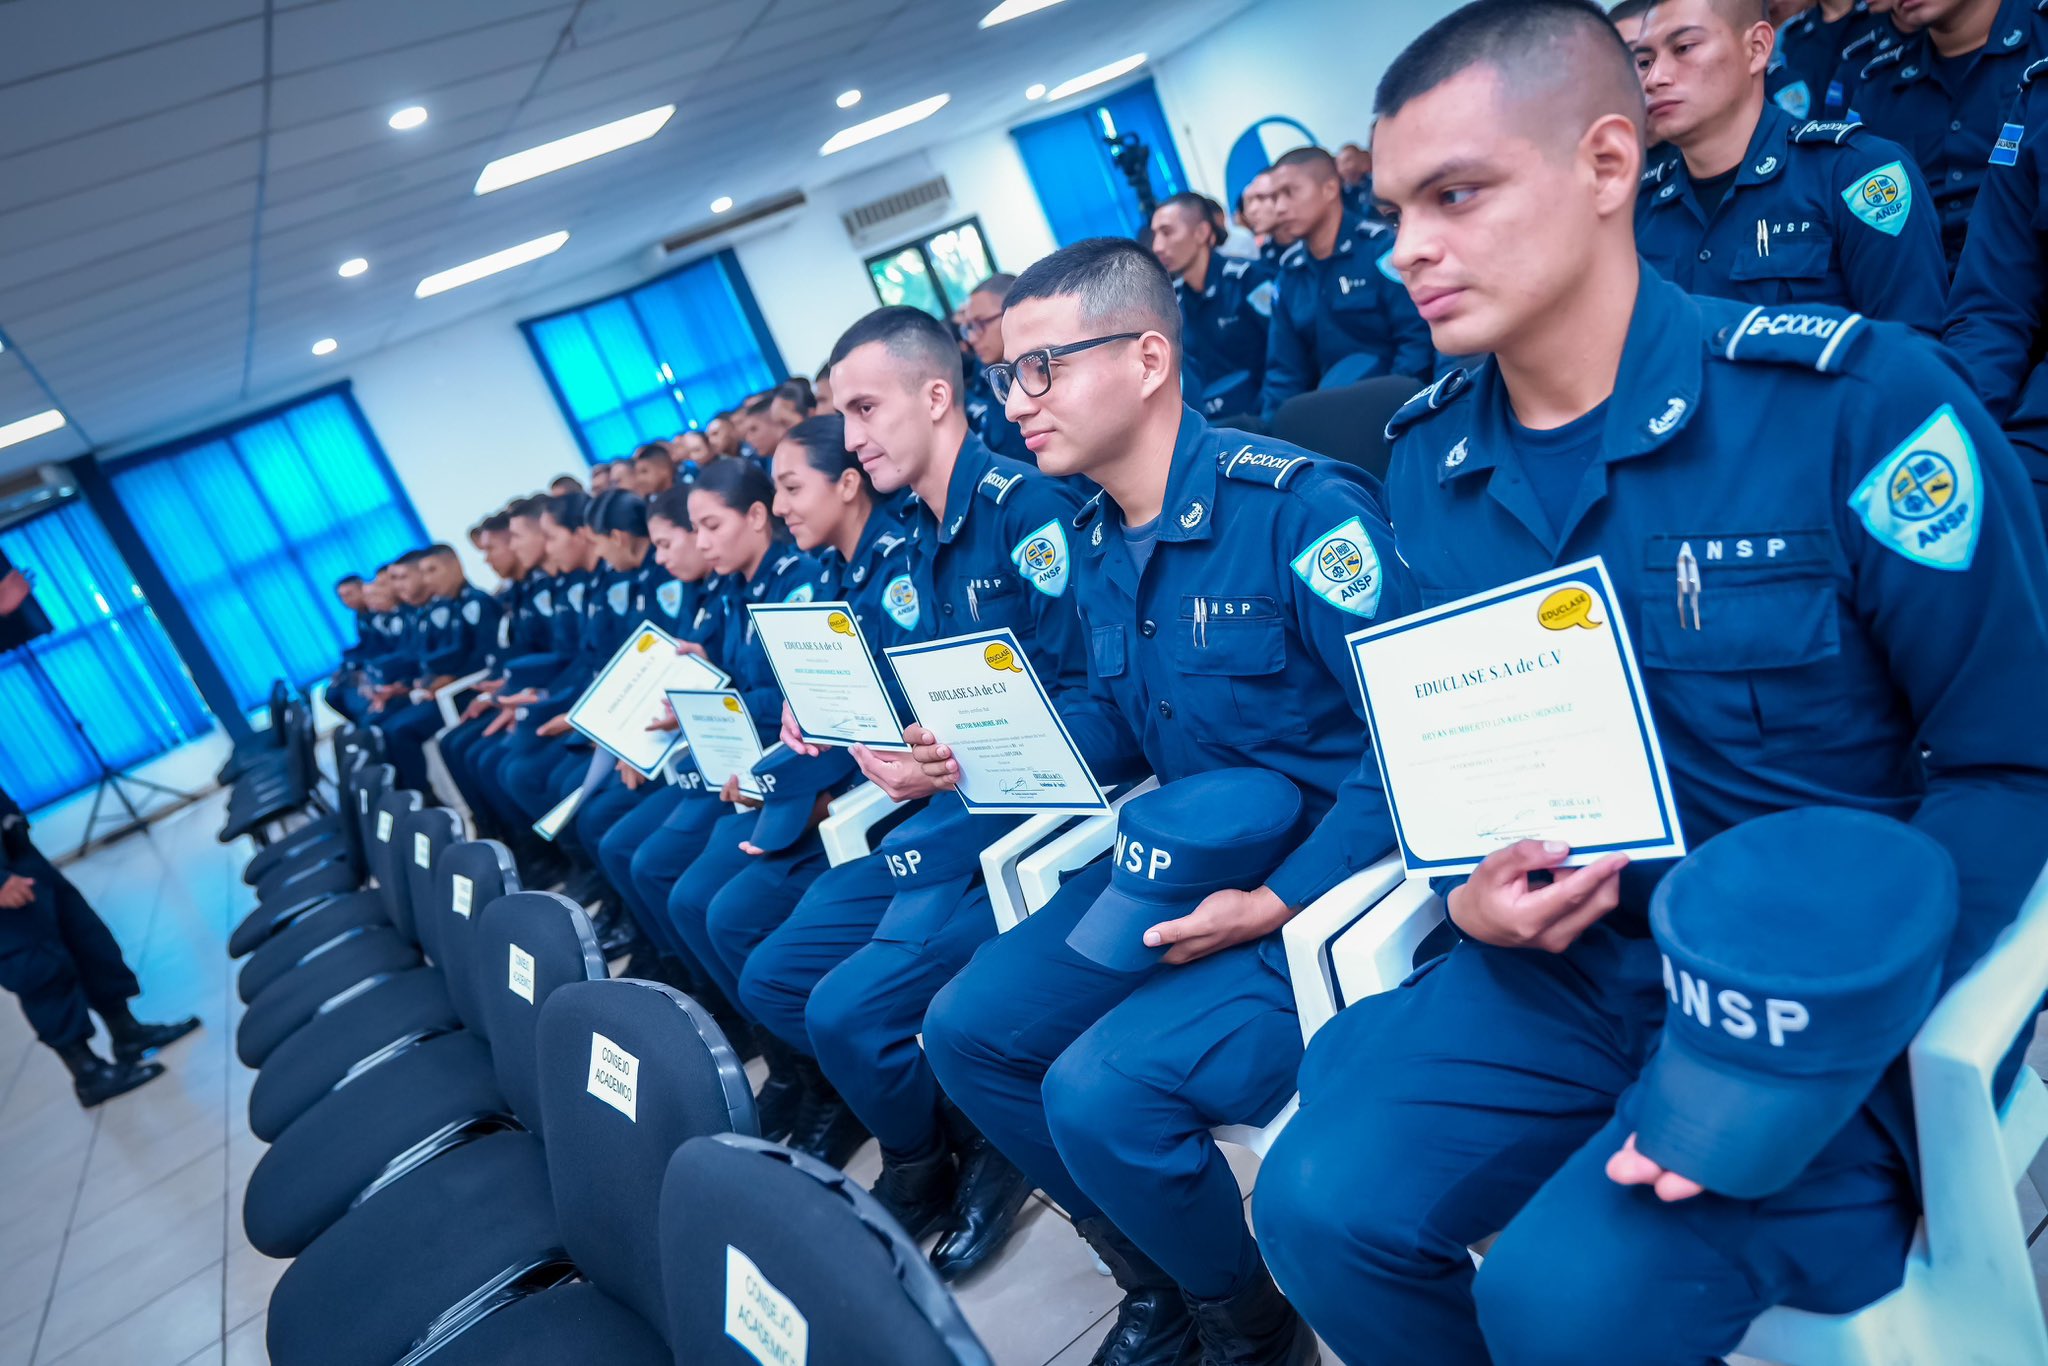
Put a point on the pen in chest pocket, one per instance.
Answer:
(1688, 585)
(1763, 237)
(1201, 623)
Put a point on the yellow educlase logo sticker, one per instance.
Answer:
(732, 704)
(644, 644)
(1001, 658)
(840, 624)
(1569, 606)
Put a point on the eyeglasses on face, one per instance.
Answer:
(1032, 371)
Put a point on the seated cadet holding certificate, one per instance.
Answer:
(1217, 575)
(1834, 571)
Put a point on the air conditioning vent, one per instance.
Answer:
(892, 215)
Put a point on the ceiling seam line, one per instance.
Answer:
(262, 188)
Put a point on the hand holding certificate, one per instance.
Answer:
(627, 694)
(1516, 714)
(723, 742)
(827, 674)
(979, 696)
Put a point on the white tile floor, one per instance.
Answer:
(120, 1230)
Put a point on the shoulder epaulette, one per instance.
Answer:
(2034, 72)
(1822, 130)
(1816, 336)
(1295, 254)
(997, 486)
(1254, 466)
(1879, 60)
(1445, 390)
(1236, 266)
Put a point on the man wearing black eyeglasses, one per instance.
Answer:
(1217, 575)
(981, 327)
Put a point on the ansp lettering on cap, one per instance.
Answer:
(1696, 1000)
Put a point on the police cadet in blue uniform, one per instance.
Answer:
(1217, 576)
(846, 978)
(981, 327)
(457, 630)
(1878, 37)
(342, 691)
(1341, 316)
(1808, 53)
(1795, 622)
(1226, 305)
(1943, 92)
(1766, 208)
(1999, 306)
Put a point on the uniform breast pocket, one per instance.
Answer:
(989, 609)
(1106, 651)
(1230, 654)
(1750, 674)
(1797, 268)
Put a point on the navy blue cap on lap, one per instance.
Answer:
(790, 784)
(1802, 951)
(1222, 830)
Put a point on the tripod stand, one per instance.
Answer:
(111, 779)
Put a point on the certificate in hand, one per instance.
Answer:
(1517, 713)
(626, 696)
(979, 695)
(827, 674)
(721, 736)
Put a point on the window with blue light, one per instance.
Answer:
(105, 656)
(1071, 166)
(253, 523)
(658, 359)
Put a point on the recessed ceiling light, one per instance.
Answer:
(326, 346)
(721, 204)
(1035, 91)
(1088, 80)
(472, 271)
(887, 123)
(14, 433)
(1014, 9)
(848, 99)
(353, 267)
(408, 118)
(591, 142)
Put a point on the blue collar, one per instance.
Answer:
(2008, 38)
(974, 464)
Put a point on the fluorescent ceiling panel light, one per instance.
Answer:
(1035, 91)
(473, 271)
(1088, 80)
(848, 99)
(353, 267)
(326, 346)
(408, 118)
(591, 142)
(721, 204)
(14, 433)
(887, 123)
(1014, 9)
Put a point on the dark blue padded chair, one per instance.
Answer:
(321, 835)
(393, 1121)
(630, 1071)
(325, 885)
(401, 1011)
(752, 1225)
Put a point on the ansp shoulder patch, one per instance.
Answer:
(472, 611)
(670, 597)
(1924, 500)
(1795, 99)
(1883, 199)
(619, 597)
(1042, 558)
(801, 593)
(899, 600)
(1343, 569)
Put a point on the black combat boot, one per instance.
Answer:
(95, 1080)
(1153, 1326)
(992, 1195)
(782, 1091)
(825, 1125)
(917, 1191)
(1254, 1327)
(133, 1038)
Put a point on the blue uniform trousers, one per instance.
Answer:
(690, 899)
(457, 748)
(533, 780)
(497, 767)
(754, 902)
(1103, 1085)
(667, 853)
(1482, 1095)
(600, 811)
(56, 955)
(341, 695)
(406, 729)
(615, 850)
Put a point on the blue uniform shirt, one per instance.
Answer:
(990, 419)
(1223, 327)
(1227, 650)
(785, 574)
(1880, 36)
(461, 632)
(1818, 213)
(1999, 307)
(1871, 594)
(1947, 114)
(1809, 53)
(1342, 319)
(560, 598)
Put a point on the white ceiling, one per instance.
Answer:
(179, 179)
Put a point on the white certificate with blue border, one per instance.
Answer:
(625, 697)
(1517, 713)
(721, 735)
(980, 696)
(827, 674)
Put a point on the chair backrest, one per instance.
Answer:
(629, 1072)
(527, 945)
(385, 855)
(470, 875)
(794, 1252)
(1347, 423)
(365, 788)
(422, 837)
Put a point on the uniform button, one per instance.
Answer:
(1166, 710)
(946, 609)
(1147, 629)
(1706, 255)
(1956, 127)
(1955, 175)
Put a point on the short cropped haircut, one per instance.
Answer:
(757, 407)
(1121, 286)
(346, 579)
(1202, 209)
(653, 450)
(1559, 47)
(1628, 9)
(998, 284)
(413, 557)
(910, 335)
(440, 548)
(797, 394)
(530, 507)
(570, 510)
(1319, 164)
(495, 523)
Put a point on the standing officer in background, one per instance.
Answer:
(60, 960)
(1226, 305)
(1618, 416)
(1942, 93)
(1998, 310)
(1766, 208)
(1342, 316)
(981, 327)
(1217, 575)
